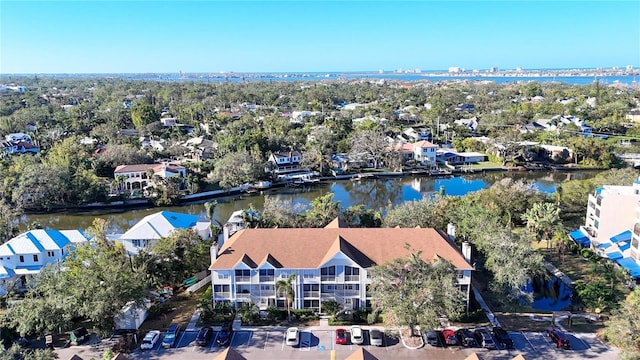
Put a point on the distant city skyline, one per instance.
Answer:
(314, 36)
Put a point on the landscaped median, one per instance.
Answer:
(409, 341)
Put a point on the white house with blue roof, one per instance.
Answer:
(159, 225)
(29, 252)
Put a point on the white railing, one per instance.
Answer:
(199, 285)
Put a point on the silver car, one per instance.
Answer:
(375, 337)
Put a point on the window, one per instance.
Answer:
(223, 275)
(266, 274)
(21, 258)
(35, 258)
(243, 272)
(351, 273)
(460, 274)
(308, 275)
(220, 288)
(328, 273)
(311, 287)
(50, 253)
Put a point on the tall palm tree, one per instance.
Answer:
(542, 219)
(210, 208)
(286, 287)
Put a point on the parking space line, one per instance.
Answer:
(266, 340)
(181, 337)
(529, 341)
(553, 346)
(213, 341)
(588, 347)
(249, 339)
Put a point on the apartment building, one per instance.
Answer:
(610, 211)
(330, 263)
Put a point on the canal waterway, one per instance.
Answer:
(372, 193)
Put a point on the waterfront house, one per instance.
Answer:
(422, 152)
(633, 116)
(136, 177)
(285, 162)
(335, 265)
(159, 225)
(27, 253)
(452, 157)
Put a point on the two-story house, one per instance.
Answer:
(159, 225)
(423, 152)
(27, 253)
(331, 263)
(136, 177)
(285, 162)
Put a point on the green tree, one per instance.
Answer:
(623, 329)
(542, 220)
(210, 208)
(238, 168)
(413, 292)
(285, 287)
(322, 211)
(142, 114)
(15, 352)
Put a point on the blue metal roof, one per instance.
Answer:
(35, 241)
(604, 245)
(624, 246)
(580, 237)
(58, 238)
(599, 190)
(623, 236)
(614, 255)
(631, 265)
(181, 221)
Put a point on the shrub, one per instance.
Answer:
(330, 307)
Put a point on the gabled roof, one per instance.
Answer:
(337, 223)
(361, 354)
(365, 246)
(229, 354)
(159, 225)
(38, 241)
(271, 260)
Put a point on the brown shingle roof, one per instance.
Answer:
(361, 354)
(311, 248)
(229, 354)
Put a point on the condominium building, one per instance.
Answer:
(331, 263)
(611, 210)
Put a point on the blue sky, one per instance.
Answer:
(305, 36)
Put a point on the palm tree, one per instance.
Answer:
(542, 219)
(286, 287)
(210, 208)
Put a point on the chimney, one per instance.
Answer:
(214, 252)
(466, 251)
(451, 231)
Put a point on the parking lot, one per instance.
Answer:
(269, 343)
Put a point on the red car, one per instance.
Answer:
(341, 336)
(449, 337)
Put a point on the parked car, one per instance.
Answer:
(449, 337)
(466, 338)
(432, 338)
(357, 337)
(170, 338)
(375, 337)
(293, 336)
(503, 338)
(204, 336)
(150, 339)
(223, 338)
(559, 338)
(484, 339)
(341, 336)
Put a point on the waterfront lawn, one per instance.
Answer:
(487, 165)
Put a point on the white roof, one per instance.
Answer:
(159, 225)
(38, 241)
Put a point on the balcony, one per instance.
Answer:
(311, 294)
(352, 278)
(243, 278)
(331, 278)
(222, 295)
(347, 292)
(266, 278)
(243, 295)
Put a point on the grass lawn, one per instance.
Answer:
(486, 165)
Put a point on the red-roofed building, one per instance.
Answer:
(135, 176)
(423, 152)
(330, 263)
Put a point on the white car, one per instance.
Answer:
(356, 335)
(375, 337)
(150, 340)
(293, 336)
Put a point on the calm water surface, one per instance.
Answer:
(373, 193)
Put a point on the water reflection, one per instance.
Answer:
(372, 193)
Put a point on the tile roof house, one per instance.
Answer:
(135, 176)
(159, 225)
(423, 151)
(29, 252)
(335, 264)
